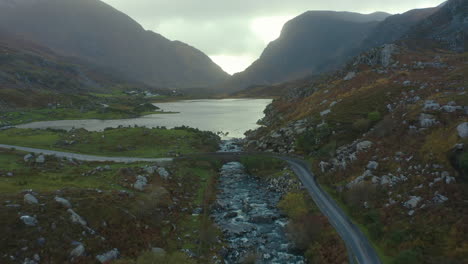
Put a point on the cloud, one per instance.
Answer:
(228, 29)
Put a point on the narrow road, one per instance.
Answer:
(360, 249)
(84, 157)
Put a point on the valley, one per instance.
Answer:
(346, 141)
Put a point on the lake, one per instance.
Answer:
(232, 116)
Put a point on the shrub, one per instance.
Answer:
(361, 125)
(374, 116)
(174, 258)
(294, 205)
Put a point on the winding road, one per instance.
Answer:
(360, 250)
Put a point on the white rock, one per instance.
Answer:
(439, 199)
(411, 212)
(76, 218)
(326, 112)
(30, 199)
(426, 120)
(29, 220)
(108, 256)
(363, 145)
(431, 105)
(141, 183)
(163, 173)
(323, 166)
(63, 201)
(372, 165)
(28, 157)
(463, 130)
(78, 251)
(158, 251)
(40, 159)
(412, 202)
(349, 76)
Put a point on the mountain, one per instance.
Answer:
(395, 27)
(97, 33)
(311, 43)
(448, 27)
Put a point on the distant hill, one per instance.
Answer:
(97, 33)
(311, 43)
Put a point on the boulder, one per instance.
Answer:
(363, 145)
(63, 202)
(30, 199)
(426, 120)
(163, 173)
(326, 112)
(372, 165)
(40, 159)
(108, 256)
(29, 220)
(76, 218)
(141, 183)
(78, 251)
(412, 202)
(28, 157)
(349, 76)
(439, 199)
(463, 130)
(431, 105)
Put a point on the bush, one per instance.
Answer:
(294, 205)
(174, 258)
(374, 116)
(361, 125)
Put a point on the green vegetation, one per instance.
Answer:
(262, 166)
(131, 142)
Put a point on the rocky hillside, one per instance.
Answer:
(313, 42)
(447, 27)
(387, 135)
(97, 33)
(32, 75)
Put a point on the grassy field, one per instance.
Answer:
(130, 142)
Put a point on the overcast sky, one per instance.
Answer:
(235, 32)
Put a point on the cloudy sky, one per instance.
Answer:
(235, 32)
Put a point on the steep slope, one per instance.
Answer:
(311, 43)
(395, 27)
(447, 27)
(93, 31)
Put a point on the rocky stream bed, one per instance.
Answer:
(246, 211)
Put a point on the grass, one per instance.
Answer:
(133, 142)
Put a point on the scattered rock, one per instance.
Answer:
(78, 251)
(28, 158)
(363, 145)
(108, 256)
(141, 183)
(463, 130)
(30, 199)
(76, 218)
(350, 76)
(431, 105)
(29, 220)
(163, 173)
(412, 202)
(426, 120)
(63, 202)
(40, 159)
(326, 112)
(439, 199)
(372, 165)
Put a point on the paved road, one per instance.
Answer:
(359, 248)
(84, 157)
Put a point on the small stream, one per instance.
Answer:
(247, 214)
